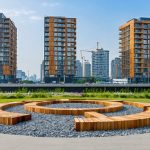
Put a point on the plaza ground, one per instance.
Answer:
(131, 142)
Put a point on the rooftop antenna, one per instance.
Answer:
(28, 74)
(97, 45)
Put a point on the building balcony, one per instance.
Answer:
(138, 26)
(138, 41)
(138, 32)
(138, 47)
(138, 36)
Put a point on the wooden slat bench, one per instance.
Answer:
(39, 107)
(11, 118)
(96, 121)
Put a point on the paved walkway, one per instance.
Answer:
(132, 142)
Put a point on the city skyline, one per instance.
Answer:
(102, 17)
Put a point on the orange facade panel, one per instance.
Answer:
(6, 70)
(132, 49)
(52, 67)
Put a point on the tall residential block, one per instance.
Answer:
(87, 69)
(42, 72)
(135, 49)
(21, 75)
(59, 48)
(79, 69)
(100, 64)
(116, 68)
(8, 49)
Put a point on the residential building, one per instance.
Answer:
(42, 72)
(87, 69)
(135, 49)
(79, 69)
(100, 64)
(116, 68)
(8, 49)
(59, 49)
(21, 75)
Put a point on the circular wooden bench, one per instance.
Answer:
(40, 107)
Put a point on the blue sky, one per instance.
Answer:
(97, 20)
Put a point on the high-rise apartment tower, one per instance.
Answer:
(59, 48)
(135, 49)
(8, 49)
(100, 64)
(116, 68)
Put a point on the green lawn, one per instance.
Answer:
(73, 97)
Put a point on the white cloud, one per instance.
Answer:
(48, 4)
(17, 13)
(29, 14)
(36, 18)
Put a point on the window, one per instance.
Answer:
(58, 20)
(59, 25)
(46, 39)
(46, 53)
(145, 31)
(59, 44)
(69, 53)
(145, 25)
(145, 42)
(46, 43)
(70, 30)
(70, 25)
(145, 46)
(46, 57)
(70, 39)
(46, 25)
(70, 44)
(46, 34)
(46, 62)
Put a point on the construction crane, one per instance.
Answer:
(89, 51)
(83, 58)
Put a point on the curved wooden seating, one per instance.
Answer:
(11, 118)
(38, 107)
(96, 121)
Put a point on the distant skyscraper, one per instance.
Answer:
(135, 49)
(33, 78)
(42, 72)
(8, 49)
(87, 69)
(100, 64)
(59, 48)
(21, 75)
(79, 69)
(116, 68)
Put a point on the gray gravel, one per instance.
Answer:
(74, 105)
(127, 110)
(63, 126)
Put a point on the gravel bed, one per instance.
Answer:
(127, 110)
(74, 105)
(63, 126)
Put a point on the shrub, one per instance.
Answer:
(39, 95)
(123, 95)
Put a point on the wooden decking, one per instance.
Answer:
(11, 118)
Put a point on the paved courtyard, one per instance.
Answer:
(132, 142)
